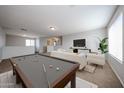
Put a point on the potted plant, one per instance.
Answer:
(103, 45)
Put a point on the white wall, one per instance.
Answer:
(13, 51)
(37, 44)
(92, 41)
(12, 40)
(43, 42)
(2, 37)
(117, 67)
(2, 40)
(91, 37)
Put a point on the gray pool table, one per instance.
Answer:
(42, 71)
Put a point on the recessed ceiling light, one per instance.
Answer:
(52, 28)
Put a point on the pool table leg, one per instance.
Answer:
(73, 81)
(18, 80)
(14, 72)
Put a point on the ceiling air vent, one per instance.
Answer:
(23, 29)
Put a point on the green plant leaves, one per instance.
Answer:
(104, 40)
(103, 46)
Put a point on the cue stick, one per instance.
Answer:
(45, 72)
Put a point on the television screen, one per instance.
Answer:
(79, 43)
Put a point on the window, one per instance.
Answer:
(115, 38)
(29, 42)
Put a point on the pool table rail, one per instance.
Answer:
(60, 82)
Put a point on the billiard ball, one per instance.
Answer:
(57, 68)
(14, 65)
(50, 66)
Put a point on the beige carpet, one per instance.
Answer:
(80, 83)
(103, 77)
(5, 66)
(90, 68)
(7, 80)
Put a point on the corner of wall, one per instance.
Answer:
(2, 40)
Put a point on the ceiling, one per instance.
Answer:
(67, 19)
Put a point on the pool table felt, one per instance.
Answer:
(31, 66)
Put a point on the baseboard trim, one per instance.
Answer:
(116, 74)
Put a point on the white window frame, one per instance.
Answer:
(28, 42)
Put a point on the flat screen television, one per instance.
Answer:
(79, 43)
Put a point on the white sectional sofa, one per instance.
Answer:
(80, 58)
(98, 59)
